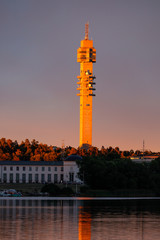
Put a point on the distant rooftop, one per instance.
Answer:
(33, 163)
(144, 158)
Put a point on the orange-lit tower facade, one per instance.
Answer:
(86, 56)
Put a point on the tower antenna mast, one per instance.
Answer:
(87, 31)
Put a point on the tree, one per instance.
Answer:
(51, 188)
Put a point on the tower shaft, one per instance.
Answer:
(86, 56)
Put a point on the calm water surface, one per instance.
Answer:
(79, 219)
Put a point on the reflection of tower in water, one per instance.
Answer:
(84, 225)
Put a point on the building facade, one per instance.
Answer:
(39, 172)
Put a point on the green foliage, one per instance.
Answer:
(106, 173)
(67, 191)
(52, 189)
(84, 189)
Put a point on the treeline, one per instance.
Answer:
(30, 151)
(111, 174)
(35, 151)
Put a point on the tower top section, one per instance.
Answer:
(86, 52)
(87, 31)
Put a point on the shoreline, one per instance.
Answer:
(80, 198)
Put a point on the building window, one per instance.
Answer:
(61, 178)
(11, 177)
(49, 178)
(49, 169)
(17, 177)
(30, 168)
(5, 168)
(17, 168)
(24, 168)
(23, 177)
(36, 169)
(43, 168)
(61, 169)
(55, 169)
(30, 178)
(55, 178)
(42, 178)
(4, 177)
(11, 168)
(36, 178)
(71, 177)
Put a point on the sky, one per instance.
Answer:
(38, 69)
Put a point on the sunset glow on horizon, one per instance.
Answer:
(38, 71)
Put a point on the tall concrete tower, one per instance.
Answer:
(86, 56)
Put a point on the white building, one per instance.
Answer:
(40, 171)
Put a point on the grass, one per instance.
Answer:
(33, 188)
(22, 187)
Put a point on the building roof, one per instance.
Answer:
(73, 157)
(33, 163)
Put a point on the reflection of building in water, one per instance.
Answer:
(38, 219)
(68, 220)
(84, 225)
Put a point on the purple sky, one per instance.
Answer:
(38, 70)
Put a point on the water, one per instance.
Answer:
(79, 219)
